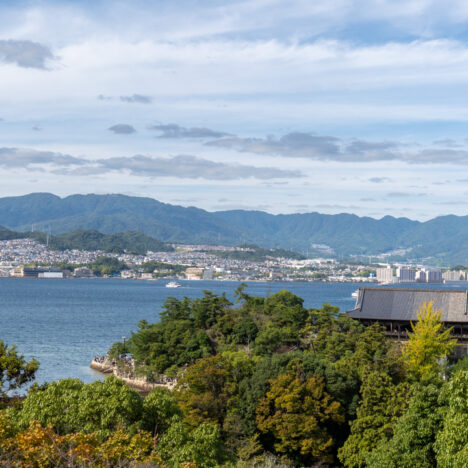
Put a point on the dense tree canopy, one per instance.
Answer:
(295, 412)
(264, 382)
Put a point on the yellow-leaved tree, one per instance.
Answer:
(428, 343)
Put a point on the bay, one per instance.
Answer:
(64, 323)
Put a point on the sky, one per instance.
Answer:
(282, 106)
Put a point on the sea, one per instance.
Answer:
(65, 323)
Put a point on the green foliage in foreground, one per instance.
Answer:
(15, 371)
(264, 382)
(71, 406)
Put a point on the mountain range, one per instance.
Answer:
(441, 239)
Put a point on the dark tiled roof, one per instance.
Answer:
(402, 304)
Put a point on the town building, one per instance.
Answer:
(385, 275)
(406, 275)
(83, 272)
(50, 274)
(454, 275)
(208, 274)
(420, 276)
(433, 275)
(193, 273)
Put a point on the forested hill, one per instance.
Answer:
(443, 238)
(91, 240)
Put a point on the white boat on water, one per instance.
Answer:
(355, 294)
(173, 284)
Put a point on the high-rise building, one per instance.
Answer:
(421, 276)
(406, 275)
(454, 275)
(433, 275)
(385, 275)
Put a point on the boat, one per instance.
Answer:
(355, 294)
(173, 284)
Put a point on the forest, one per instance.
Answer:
(262, 382)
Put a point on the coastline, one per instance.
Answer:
(104, 366)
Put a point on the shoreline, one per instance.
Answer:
(106, 367)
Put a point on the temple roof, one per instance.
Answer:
(402, 304)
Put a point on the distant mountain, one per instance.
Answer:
(91, 240)
(443, 238)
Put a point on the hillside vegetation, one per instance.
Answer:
(264, 382)
(91, 240)
(257, 254)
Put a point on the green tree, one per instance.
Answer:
(381, 405)
(296, 412)
(15, 371)
(428, 343)
(268, 341)
(459, 365)
(451, 445)
(72, 406)
(203, 445)
(204, 391)
(245, 331)
(412, 444)
(159, 407)
(107, 266)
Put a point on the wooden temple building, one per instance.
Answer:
(396, 308)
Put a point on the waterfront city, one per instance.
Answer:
(29, 258)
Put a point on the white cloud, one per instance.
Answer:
(367, 79)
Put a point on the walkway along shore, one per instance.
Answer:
(105, 366)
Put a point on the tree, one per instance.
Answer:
(286, 309)
(72, 406)
(159, 406)
(268, 341)
(459, 365)
(451, 444)
(15, 371)
(245, 331)
(428, 343)
(41, 447)
(382, 404)
(414, 433)
(297, 412)
(204, 391)
(180, 446)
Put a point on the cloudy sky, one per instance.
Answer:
(284, 106)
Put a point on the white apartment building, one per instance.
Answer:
(384, 275)
(454, 275)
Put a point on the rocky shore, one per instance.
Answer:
(124, 369)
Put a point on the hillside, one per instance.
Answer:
(91, 240)
(443, 238)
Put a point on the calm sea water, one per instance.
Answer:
(64, 323)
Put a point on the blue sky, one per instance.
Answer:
(297, 106)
